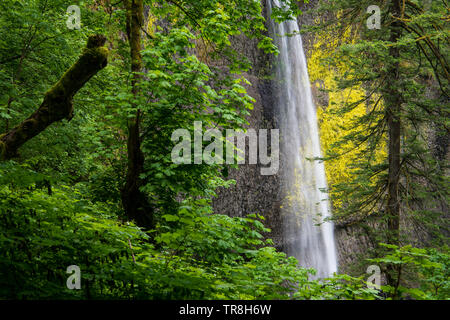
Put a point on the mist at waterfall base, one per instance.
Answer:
(306, 235)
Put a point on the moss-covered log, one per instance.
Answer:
(57, 104)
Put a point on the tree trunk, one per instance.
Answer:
(134, 201)
(393, 103)
(392, 98)
(57, 103)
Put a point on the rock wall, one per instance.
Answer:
(253, 192)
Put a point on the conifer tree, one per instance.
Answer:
(403, 69)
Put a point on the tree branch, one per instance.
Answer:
(57, 103)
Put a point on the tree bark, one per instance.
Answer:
(393, 109)
(57, 103)
(134, 202)
(393, 99)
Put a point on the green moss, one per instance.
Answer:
(96, 41)
(90, 62)
(57, 103)
(2, 149)
(20, 132)
(57, 90)
(29, 123)
(96, 55)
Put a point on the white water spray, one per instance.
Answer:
(305, 205)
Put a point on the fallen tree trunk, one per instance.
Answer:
(57, 104)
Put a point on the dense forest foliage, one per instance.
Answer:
(87, 114)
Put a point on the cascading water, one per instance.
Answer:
(305, 205)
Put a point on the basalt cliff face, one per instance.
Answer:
(253, 192)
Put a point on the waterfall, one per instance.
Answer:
(304, 205)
